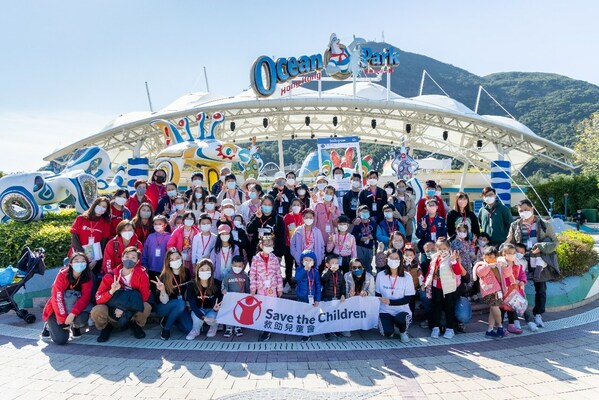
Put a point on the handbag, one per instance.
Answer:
(516, 302)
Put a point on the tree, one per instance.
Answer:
(587, 145)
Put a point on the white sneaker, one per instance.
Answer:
(287, 288)
(212, 330)
(192, 335)
(403, 336)
(435, 333)
(517, 324)
(539, 321)
(448, 334)
(532, 326)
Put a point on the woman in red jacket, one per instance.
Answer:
(125, 237)
(69, 303)
(292, 220)
(156, 189)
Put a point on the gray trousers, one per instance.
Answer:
(58, 334)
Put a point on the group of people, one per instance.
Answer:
(178, 253)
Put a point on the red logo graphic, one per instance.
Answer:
(247, 310)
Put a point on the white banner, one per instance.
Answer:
(290, 317)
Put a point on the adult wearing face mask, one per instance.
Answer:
(197, 179)
(142, 222)
(69, 303)
(122, 297)
(220, 184)
(231, 192)
(139, 197)
(166, 203)
(183, 237)
(351, 199)
(302, 193)
(267, 221)
(125, 237)
(249, 207)
(292, 221)
(154, 251)
(541, 242)
(494, 217)
(291, 181)
(430, 193)
(395, 288)
(373, 196)
(462, 214)
(282, 194)
(118, 210)
(404, 196)
(156, 189)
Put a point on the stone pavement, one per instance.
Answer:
(559, 362)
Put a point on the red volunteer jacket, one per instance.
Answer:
(139, 282)
(55, 304)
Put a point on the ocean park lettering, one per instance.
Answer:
(266, 73)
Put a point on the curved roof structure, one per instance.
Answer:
(472, 138)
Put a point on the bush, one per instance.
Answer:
(52, 233)
(575, 253)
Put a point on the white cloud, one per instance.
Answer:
(26, 138)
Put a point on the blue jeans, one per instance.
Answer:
(197, 322)
(176, 314)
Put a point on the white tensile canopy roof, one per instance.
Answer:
(428, 116)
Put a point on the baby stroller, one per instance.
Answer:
(30, 263)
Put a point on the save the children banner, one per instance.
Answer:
(273, 314)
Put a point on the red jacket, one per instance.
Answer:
(114, 252)
(55, 304)
(139, 282)
(292, 221)
(154, 193)
(421, 208)
(133, 204)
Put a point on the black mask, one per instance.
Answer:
(160, 179)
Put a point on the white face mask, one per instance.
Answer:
(237, 270)
(204, 275)
(179, 207)
(291, 181)
(408, 260)
(342, 228)
(438, 193)
(389, 191)
(356, 184)
(120, 201)
(127, 235)
(526, 214)
(444, 253)
(238, 224)
(328, 197)
(338, 177)
(393, 264)
(99, 210)
(321, 186)
(188, 222)
(229, 212)
(171, 193)
(398, 244)
(334, 267)
(231, 185)
(176, 264)
(308, 263)
(158, 228)
(225, 238)
(267, 249)
(296, 209)
(197, 182)
(482, 243)
(462, 235)
(197, 195)
(373, 182)
(209, 206)
(301, 192)
(308, 221)
(206, 227)
(490, 200)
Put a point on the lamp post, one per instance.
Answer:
(565, 206)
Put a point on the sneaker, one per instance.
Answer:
(492, 334)
(265, 337)
(162, 322)
(138, 331)
(448, 333)
(306, 339)
(435, 333)
(328, 336)
(45, 333)
(75, 333)
(238, 332)
(212, 330)
(287, 288)
(192, 334)
(165, 334)
(501, 332)
(511, 328)
(105, 334)
(517, 324)
(539, 321)
(403, 336)
(532, 326)
(424, 324)
(228, 332)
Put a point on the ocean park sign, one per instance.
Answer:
(338, 61)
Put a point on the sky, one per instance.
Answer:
(70, 67)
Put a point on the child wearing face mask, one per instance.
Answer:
(396, 241)
(211, 210)
(223, 253)
(183, 238)
(203, 242)
(154, 251)
(465, 249)
(177, 210)
(482, 242)
(307, 237)
(441, 284)
(395, 289)
(489, 273)
(265, 274)
(292, 221)
(326, 213)
(204, 296)
(413, 268)
(125, 237)
(236, 281)
(515, 280)
(308, 288)
(389, 225)
(333, 286)
(342, 244)
(364, 231)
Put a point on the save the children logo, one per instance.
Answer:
(247, 310)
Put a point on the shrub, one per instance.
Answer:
(575, 253)
(52, 233)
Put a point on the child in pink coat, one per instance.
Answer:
(265, 274)
(515, 281)
(491, 291)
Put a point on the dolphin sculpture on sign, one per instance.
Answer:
(203, 151)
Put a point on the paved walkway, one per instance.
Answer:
(561, 361)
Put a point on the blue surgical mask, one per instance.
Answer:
(389, 214)
(328, 197)
(358, 272)
(79, 267)
(129, 264)
(519, 256)
(365, 215)
(253, 195)
(266, 209)
(430, 192)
